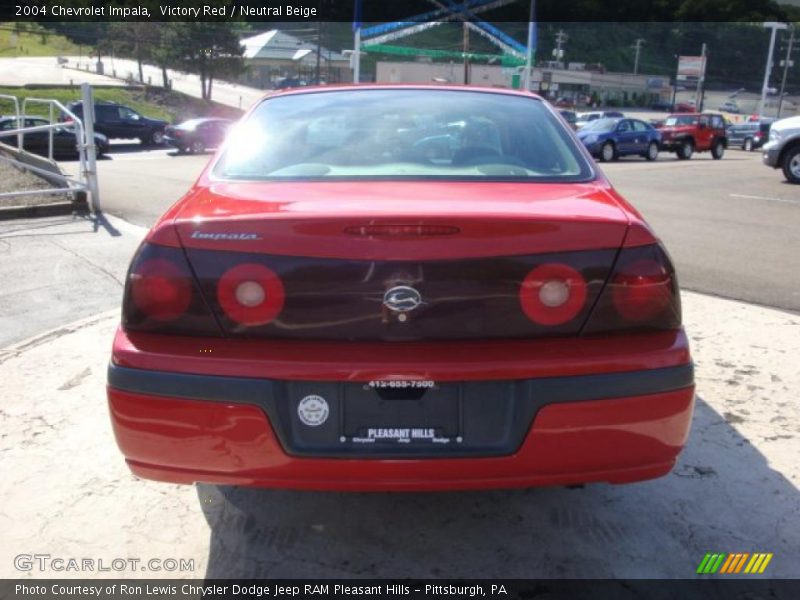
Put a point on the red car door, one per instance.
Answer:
(704, 133)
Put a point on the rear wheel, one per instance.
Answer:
(197, 147)
(652, 151)
(608, 152)
(791, 165)
(718, 149)
(686, 150)
(748, 145)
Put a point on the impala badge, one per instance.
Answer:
(402, 298)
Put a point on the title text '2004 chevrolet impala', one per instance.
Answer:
(401, 288)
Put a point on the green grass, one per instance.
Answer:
(33, 43)
(154, 103)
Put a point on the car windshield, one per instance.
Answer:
(680, 120)
(402, 134)
(601, 125)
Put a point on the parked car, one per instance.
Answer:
(750, 135)
(65, 142)
(685, 134)
(730, 106)
(684, 107)
(564, 103)
(196, 135)
(588, 117)
(401, 288)
(783, 149)
(664, 106)
(570, 117)
(608, 139)
(116, 121)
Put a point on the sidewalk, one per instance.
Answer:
(66, 491)
(57, 270)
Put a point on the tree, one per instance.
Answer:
(206, 48)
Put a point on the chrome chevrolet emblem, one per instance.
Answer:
(402, 298)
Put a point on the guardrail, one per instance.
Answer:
(85, 145)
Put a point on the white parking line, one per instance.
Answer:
(762, 198)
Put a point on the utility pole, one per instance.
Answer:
(561, 37)
(786, 64)
(774, 27)
(357, 42)
(638, 47)
(700, 80)
(531, 46)
(466, 50)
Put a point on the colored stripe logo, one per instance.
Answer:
(742, 562)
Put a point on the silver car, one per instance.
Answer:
(783, 149)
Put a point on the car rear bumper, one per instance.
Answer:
(600, 425)
(671, 145)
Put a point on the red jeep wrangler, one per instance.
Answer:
(687, 133)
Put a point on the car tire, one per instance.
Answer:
(197, 147)
(748, 145)
(652, 152)
(686, 150)
(791, 165)
(608, 152)
(156, 138)
(718, 149)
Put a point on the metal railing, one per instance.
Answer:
(86, 181)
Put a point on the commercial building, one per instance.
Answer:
(578, 81)
(275, 56)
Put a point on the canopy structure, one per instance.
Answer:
(376, 38)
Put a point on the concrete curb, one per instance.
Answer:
(19, 348)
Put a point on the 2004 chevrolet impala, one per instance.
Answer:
(401, 288)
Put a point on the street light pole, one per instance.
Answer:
(638, 47)
(786, 64)
(774, 27)
(531, 45)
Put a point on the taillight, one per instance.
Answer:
(162, 296)
(160, 289)
(642, 292)
(250, 294)
(552, 294)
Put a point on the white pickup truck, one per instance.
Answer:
(783, 149)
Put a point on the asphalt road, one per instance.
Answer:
(731, 226)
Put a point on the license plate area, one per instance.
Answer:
(413, 416)
(422, 419)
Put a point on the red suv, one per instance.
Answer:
(687, 133)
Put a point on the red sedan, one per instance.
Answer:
(401, 288)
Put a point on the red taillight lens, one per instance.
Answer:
(161, 295)
(160, 289)
(251, 294)
(642, 292)
(552, 294)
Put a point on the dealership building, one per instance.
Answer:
(559, 80)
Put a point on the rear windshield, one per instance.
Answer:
(683, 120)
(402, 134)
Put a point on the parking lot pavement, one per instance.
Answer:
(67, 493)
